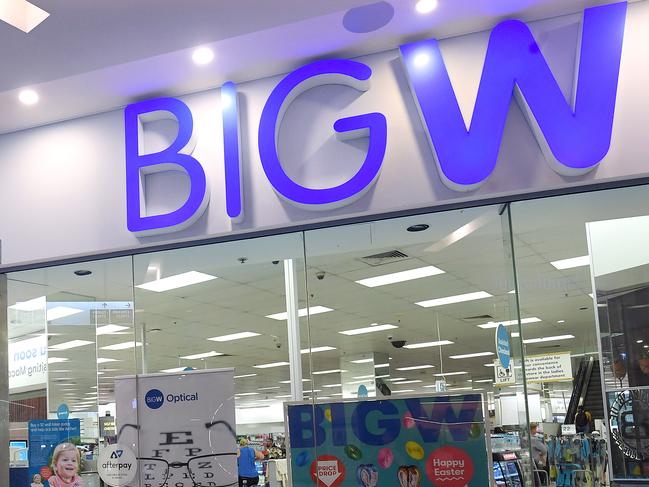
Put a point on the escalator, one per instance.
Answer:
(587, 390)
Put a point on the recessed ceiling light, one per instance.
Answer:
(584, 260)
(244, 375)
(202, 55)
(175, 369)
(489, 365)
(71, 344)
(110, 329)
(202, 355)
(484, 380)
(285, 396)
(426, 6)
(234, 336)
(407, 382)
(176, 281)
(324, 372)
(31, 305)
(561, 321)
(272, 388)
(495, 324)
(398, 379)
(548, 339)
(56, 360)
(371, 376)
(271, 365)
(471, 355)
(403, 391)
(368, 329)
(103, 360)
(288, 381)
(402, 276)
(416, 367)
(122, 346)
(312, 310)
(450, 373)
(59, 312)
(241, 394)
(460, 298)
(428, 344)
(639, 341)
(332, 385)
(317, 349)
(28, 97)
(363, 361)
(379, 366)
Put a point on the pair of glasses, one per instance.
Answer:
(215, 470)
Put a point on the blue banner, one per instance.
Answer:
(53, 456)
(438, 441)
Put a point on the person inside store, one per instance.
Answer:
(246, 457)
(583, 420)
(539, 453)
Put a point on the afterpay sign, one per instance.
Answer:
(574, 136)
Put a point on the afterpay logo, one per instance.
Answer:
(154, 399)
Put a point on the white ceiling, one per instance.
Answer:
(245, 293)
(90, 57)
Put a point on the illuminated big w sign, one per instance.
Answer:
(574, 136)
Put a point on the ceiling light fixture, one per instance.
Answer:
(56, 360)
(176, 281)
(363, 361)
(122, 346)
(312, 310)
(28, 97)
(71, 344)
(414, 346)
(110, 329)
(234, 336)
(403, 391)
(202, 355)
(407, 382)
(202, 55)
(317, 349)
(271, 365)
(495, 324)
(548, 339)
(402, 276)
(571, 263)
(241, 394)
(415, 367)
(175, 369)
(245, 375)
(59, 312)
(368, 329)
(471, 355)
(332, 371)
(426, 6)
(22, 15)
(450, 373)
(103, 360)
(332, 385)
(460, 298)
(31, 305)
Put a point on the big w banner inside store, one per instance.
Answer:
(180, 427)
(410, 442)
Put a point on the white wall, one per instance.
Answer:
(62, 186)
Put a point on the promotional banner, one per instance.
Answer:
(54, 460)
(179, 426)
(424, 441)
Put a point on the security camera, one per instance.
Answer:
(278, 345)
(398, 343)
(320, 275)
(275, 262)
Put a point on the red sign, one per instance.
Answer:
(449, 466)
(328, 471)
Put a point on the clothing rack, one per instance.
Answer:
(577, 461)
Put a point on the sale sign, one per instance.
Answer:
(436, 441)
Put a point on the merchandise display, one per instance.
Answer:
(577, 461)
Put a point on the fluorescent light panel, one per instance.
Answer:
(548, 339)
(400, 276)
(494, 324)
(234, 336)
(31, 305)
(471, 355)
(571, 263)
(56, 360)
(176, 281)
(317, 349)
(413, 346)
(368, 329)
(22, 14)
(59, 312)
(450, 373)
(202, 355)
(416, 367)
(313, 310)
(460, 298)
(271, 365)
(71, 344)
(407, 382)
(103, 360)
(244, 375)
(175, 369)
(331, 371)
(122, 346)
(363, 361)
(109, 329)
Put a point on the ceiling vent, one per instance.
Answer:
(384, 258)
(484, 318)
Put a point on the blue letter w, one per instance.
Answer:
(575, 137)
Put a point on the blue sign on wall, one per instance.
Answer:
(63, 411)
